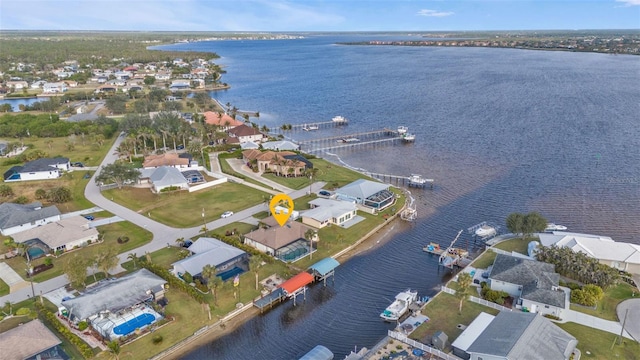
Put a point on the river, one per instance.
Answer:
(500, 130)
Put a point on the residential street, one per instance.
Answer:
(163, 235)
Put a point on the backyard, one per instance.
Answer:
(516, 244)
(335, 176)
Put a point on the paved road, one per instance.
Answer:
(631, 310)
(163, 235)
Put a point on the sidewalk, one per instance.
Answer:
(240, 167)
(577, 317)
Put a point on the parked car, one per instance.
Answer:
(324, 193)
(180, 147)
(187, 243)
(78, 164)
(226, 214)
(89, 217)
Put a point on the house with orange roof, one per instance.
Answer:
(283, 163)
(167, 159)
(223, 120)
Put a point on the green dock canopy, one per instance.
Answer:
(325, 266)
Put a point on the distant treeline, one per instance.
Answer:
(45, 125)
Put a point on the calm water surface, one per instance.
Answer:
(501, 130)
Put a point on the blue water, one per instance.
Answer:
(500, 130)
(230, 273)
(130, 326)
(15, 103)
(35, 253)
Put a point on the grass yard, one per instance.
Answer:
(239, 228)
(4, 288)
(485, 260)
(600, 344)
(183, 209)
(335, 176)
(517, 244)
(164, 257)
(443, 315)
(613, 296)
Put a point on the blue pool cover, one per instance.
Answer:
(135, 323)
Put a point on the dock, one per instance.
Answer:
(412, 181)
(268, 300)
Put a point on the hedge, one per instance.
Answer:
(173, 281)
(246, 248)
(53, 320)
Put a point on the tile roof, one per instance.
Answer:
(17, 214)
(244, 130)
(280, 145)
(213, 118)
(276, 236)
(59, 233)
(27, 340)
(168, 159)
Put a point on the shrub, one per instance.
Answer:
(594, 290)
(5, 190)
(187, 278)
(123, 239)
(23, 312)
(48, 261)
(51, 318)
(41, 194)
(82, 325)
(552, 317)
(156, 339)
(21, 200)
(59, 194)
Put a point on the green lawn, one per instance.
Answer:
(443, 315)
(600, 344)
(335, 176)
(238, 228)
(4, 288)
(183, 209)
(165, 257)
(485, 260)
(606, 308)
(517, 244)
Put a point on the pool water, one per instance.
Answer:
(138, 322)
(35, 253)
(230, 273)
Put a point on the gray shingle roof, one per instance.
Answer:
(523, 336)
(361, 189)
(208, 251)
(537, 278)
(43, 164)
(16, 214)
(167, 176)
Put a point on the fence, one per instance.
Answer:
(478, 300)
(207, 184)
(418, 345)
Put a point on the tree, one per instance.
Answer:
(527, 224)
(149, 80)
(133, 257)
(464, 283)
(254, 265)
(59, 194)
(107, 259)
(114, 348)
(208, 273)
(515, 221)
(117, 104)
(75, 268)
(118, 173)
(6, 108)
(41, 194)
(310, 235)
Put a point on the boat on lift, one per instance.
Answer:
(402, 130)
(485, 231)
(554, 227)
(408, 137)
(310, 127)
(400, 305)
(339, 119)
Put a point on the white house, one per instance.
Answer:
(40, 169)
(17, 84)
(165, 177)
(327, 211)
(246, 133)
(62, 235)
(55, 87)
(210, 251)
(15, 218)
(369, 194)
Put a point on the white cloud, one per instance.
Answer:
(630, 2)
(436, 13)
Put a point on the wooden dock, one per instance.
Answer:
(399, 179)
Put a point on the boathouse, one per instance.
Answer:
(324, 268)
(297, 285)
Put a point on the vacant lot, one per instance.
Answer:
(335, 176)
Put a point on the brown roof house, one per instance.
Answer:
(29, 340)
(223, 120)
(166, 159)
(287, 243)
(283, 163)
(245, 134)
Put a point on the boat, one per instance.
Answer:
(433, 248)
(417, 180)
(339, 119)
(485, 231)
(554, 227)
(310, 127)
(400, 305)
(402, 130)
(348, 140)
(408, 137)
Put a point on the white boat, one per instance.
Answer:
(409, 137)
(310, 127)
(485, 231)
(417, 180)
(402, 130)
(348, 140)
(555, 227)
(339, 119)
(400, 305)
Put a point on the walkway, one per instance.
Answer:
(11, 278)
(240, 167)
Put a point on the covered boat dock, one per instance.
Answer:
(324, 268)
(297, 285)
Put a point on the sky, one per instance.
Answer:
(318, 15)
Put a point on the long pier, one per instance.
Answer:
(388, 178)
(319, 124)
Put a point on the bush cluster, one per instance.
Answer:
(494, 296)
(40, 268)
(156, 339)
(172, 280)
(589, 295)
(51, 318)
(123, 239)
(246, 248)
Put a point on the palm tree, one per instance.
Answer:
(208, 273)
(254, 265)
(464, 282)
(310, 235)
(133, 257)
(340, 238)
(114, 348)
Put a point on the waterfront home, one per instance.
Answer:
(513, 336)
(327, 211)
(282, 163)
(224, 121)
(180, 85)
(15, 218)
(245, 133)
(62, 235)
(40, 169)
(280, 145)
(54, 87)
(163, 75)
(167, 159)
(31, 340)
(17, 85)
(619, 255)
(287, 243)
(164, 177)
(228, 260)
(534, 285)
(370, 195)
(249, 145)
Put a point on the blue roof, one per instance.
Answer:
(325, 266)
(318, 353)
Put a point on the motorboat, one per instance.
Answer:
(400, 305)
(408, 137)
(310, 127)
(485, 231)
(402, 130)
(339, 119)
(348, 140)
(554, 227)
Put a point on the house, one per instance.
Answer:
(40, 169)
(280, 145)
(62, 235)
(32, 340)
(369, 194)
(106, 305)
(164, 177)
(281, 163)
(619, 255)
(245, 133)
(166, 159)
(287, 243)
(53, 88)
(180, 85)
(106, 88)
(228, 260)
(224, 121)
(327, 211)
(163, 75)
(514, 336)
(249, 145)
(533, 283)
(17, 85)
(17, 217)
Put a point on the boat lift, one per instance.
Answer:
(448, 259)
(472, 230)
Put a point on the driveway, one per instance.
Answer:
(631, 310)
(11, 278)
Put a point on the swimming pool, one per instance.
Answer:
(230, 273)
(135, 323)
(35, 252)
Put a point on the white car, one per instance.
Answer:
(226, 214)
